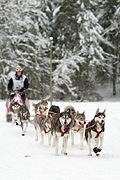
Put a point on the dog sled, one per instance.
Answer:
(16, 98)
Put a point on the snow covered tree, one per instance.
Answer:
(109, 19)
(24, 26)
(77, 50)
(85, 45)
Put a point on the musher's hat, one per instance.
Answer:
(18, 69)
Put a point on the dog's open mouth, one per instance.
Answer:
(63, 128)
(81, 126)
(99, 123)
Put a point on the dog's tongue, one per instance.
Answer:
(80, 126)
(97, 121)
(63, 127)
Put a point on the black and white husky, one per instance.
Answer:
(24, 116)
(94, 132)
(15, 108)
(60, 127)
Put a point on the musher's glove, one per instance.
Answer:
(22, 89)
(12, 93)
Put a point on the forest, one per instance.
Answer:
(85, 47)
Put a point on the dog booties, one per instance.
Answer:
(96, 150)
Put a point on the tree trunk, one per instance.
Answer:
(114, 77)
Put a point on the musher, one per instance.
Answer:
(18, 83)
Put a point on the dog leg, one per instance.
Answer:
(89, 144)
(22, 126)
(81, 140)
(64, 147)
(49, 138)
(56, 145)
(72, 138)
(97, 141)
(101, 142)
(13, 118)
(37, 131)
(18, 122)
(26, 125)
(53, 139)
(96, 149)
(42, 138)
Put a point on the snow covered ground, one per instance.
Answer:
(41, 162)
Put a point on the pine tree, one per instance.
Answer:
(109, 19)
(78, 50)
(24, 28)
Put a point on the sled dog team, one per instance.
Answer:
(64, 124)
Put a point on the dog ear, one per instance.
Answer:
(84, 112)
(104, 112)
(97, 111)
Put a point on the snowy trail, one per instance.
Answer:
(42, 163)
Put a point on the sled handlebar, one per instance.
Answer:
(19, 92)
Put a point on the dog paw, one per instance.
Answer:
(97, 154)
(81, 148)
(99, 149)
(96, 150)
(65, 153)
(89, 154)
(72, 144)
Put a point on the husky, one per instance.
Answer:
(60, 127)
(94, 132)
(70, 109)
(42, 124)
(24, 116)
(79, 127)
(53, 110)
(15, 108)
(41, 107)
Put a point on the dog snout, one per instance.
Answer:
(46, 108)
(102, 121)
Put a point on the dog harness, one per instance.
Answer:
(38, 118)
(98, 132)
(42, 115)
(17, 98)
(46, 131)
(63, 132)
